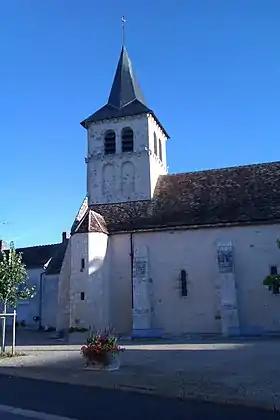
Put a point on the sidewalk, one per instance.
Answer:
(243, 372)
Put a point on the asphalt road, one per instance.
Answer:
(87, 403)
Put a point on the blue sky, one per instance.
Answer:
(208, 68)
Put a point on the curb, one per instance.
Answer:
(180, 392)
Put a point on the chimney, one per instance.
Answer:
(65, 236)
(3, 245)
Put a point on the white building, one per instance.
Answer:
(152, 253)
(43, 265)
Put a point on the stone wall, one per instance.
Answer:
(195, 251)
(120, 283)
(63, 305)
(123, 176)
(27, 309)
(89, 296)
(217, 301)
(157, 166)
(49, 300)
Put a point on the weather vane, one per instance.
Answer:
(123, 30)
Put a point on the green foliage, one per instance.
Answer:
(13, 277)
(273, 282)
(76, 329)
(105, 341)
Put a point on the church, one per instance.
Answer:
(158, 254)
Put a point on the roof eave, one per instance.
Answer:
(85, 122)
(159, 123)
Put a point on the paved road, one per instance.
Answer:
(87, 403)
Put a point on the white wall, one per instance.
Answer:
(63, 304)
(49, 300)
(27, 309)
(255, 252)
(120, 284)
(122, 176)
(106, 280)
(196, 251)
(168, 254)
(157, 167)
(93, 311)
(78, 279)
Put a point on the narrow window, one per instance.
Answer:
(184, 289)
(83, 296)
(160, 149)
(127, 140)
(273, 270)
(155, 143)
(82, 264)
(110, 142)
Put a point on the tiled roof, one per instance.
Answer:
(92, 222)
(38, 256)
(244, 194)
(81, 212)
(55, 264)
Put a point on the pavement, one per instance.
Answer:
(23, 398)
(240, 372)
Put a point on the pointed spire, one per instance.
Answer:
(125, 88)
(126, 98)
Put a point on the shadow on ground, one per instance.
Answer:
(82, 402)
(245, 372)
(25, 337)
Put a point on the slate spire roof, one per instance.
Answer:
(126, 98)
(125, 88)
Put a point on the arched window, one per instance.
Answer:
(155, 143)
(110, 142)
(127, 140)
(160, 149)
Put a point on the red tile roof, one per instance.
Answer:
(243, 194)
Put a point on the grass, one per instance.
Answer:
(74, 329)
(8, 354)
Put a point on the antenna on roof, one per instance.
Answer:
(123, 31)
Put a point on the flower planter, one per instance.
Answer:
(112, 365)
(101, 352)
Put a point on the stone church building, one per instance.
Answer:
(152, 253)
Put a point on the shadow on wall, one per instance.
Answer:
(96, 264)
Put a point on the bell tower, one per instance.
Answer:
(126, 143)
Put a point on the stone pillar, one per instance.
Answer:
(142, 309)
(228, 299)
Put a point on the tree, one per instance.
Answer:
(272, 281)
(13, 287)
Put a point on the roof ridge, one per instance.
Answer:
(223, 168)
(37, 246)
(94, 213)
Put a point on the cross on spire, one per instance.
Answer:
(123, 30)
